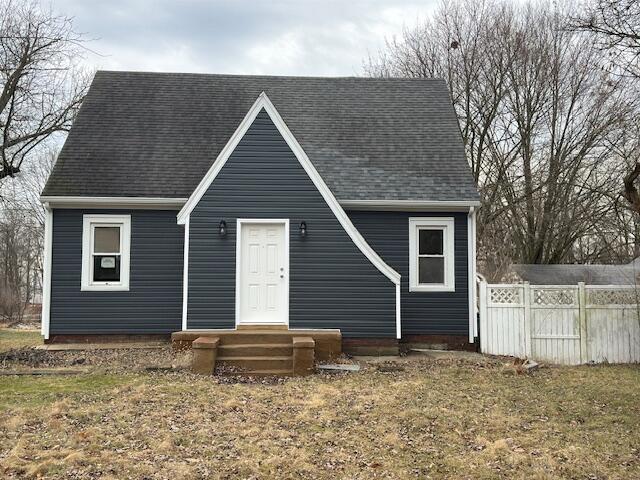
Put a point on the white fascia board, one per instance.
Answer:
(410, 205)
(144, 203)
(264, 102)
(222, 158)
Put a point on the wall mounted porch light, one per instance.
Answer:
(303, 229)
(222, 228)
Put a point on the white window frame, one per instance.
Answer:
(89, 222)
(446, 225)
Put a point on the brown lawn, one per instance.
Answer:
(450, 418)
(18, 338)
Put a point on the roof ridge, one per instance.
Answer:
(293, 77)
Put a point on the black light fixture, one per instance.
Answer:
(222, 229)
(303, 229)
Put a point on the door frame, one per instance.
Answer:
(239, 223)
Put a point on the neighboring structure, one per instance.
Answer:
(188, 202)
(628, 274)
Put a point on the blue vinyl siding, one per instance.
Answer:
(423, 313)
(153, 303)
(331, 283)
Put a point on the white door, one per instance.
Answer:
(263, 281)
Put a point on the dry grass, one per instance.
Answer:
(435, 419)
(18, 338)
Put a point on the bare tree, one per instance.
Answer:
(22, 219)
(615, 25)
(539, 119)
(20, 264)
(42, 82)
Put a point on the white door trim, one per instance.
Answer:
(243, 221)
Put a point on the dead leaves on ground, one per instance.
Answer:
(419, 418)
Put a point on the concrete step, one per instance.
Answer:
(261, 373)
(263, 327)
(429, 346)
(259, 363)
(256, 350)
(253, 337)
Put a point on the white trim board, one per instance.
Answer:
(147, 203)
(398, 315)
(264, 102)
(244, 221)
(185, 276)
(471, 255)
(410, 205)
(46, 271)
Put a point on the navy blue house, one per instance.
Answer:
(200, 202)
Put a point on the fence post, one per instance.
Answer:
(582, 319)
(484, 331)
(526, 298)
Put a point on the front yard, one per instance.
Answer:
(427, 418)
(17, 338)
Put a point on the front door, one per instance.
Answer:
(263, 281)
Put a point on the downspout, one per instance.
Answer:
(185, 275)
(46, 270)
(471, 230)
(398, 321)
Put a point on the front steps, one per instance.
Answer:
(260, 359)
(252, 364)
(328, 343)
(258, 351)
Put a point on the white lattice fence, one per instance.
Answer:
(613, 321)
(502, 319)
(560, 323)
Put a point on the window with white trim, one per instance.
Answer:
(105, 252)
(431, 254)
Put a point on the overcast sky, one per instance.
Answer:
(280, 37)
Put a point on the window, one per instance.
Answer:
(105, 252)
(431, 254)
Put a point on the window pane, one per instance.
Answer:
(430, 242)
(106, 240)
(106, 268)
(431, 270)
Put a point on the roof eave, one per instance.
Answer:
(411, 205)
(142, 203)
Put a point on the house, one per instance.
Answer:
(188, 204)
(593, 274)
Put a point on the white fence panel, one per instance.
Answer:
(561, 324)
(613, 319)
(555, 324)
(502, 324)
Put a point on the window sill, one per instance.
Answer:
(431, 288)
(104, 288)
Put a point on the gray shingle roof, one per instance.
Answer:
(157, 134)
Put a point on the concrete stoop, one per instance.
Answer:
(258, 352)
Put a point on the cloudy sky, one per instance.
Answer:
(279, 37)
